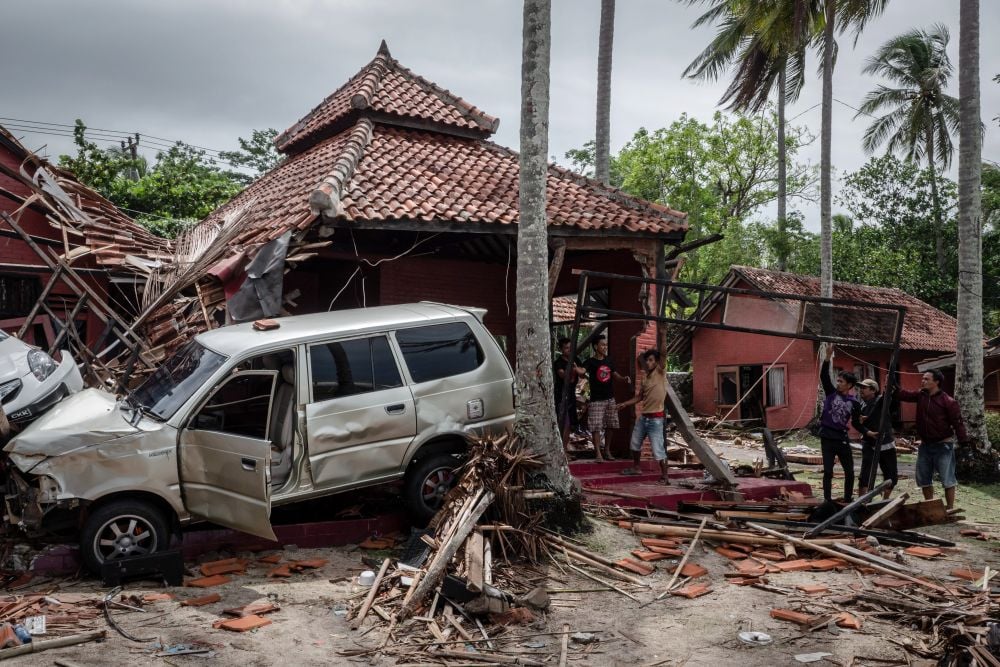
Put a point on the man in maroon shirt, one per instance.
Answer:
(939, 423)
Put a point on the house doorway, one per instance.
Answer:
(744, 394)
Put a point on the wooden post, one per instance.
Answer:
(706, 455)
(847, 509)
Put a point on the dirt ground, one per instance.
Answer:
(311, 628)
(675, 631)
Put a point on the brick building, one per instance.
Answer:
(397, 192)
(743, 374)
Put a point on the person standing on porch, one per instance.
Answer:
(568, 419)
(878, 445)
(939, 423)
(602, 413)
(651, 422)
(840, 407)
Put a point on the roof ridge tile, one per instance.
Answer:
(325, 199)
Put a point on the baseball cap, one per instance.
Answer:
(870, 383)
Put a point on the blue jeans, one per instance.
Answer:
(939, 456)
(653, 428)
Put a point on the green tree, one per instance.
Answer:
(761, 43)
(919, 115)
(257, 152)
(182, 186)
(720, 174)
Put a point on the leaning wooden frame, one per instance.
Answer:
(847, 322)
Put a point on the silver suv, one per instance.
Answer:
(241, 419)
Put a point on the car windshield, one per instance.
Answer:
(174, 382)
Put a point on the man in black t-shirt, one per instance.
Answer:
(602, 412)
(568, 418)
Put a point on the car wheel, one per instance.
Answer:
(122, 529)
(427, 483)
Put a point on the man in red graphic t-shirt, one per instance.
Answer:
(602, 413)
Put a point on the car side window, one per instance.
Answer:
(439, 350)
(239, 407)
(348, 367)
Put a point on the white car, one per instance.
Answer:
(31, 381)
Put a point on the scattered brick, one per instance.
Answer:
(201, 601)
(280, 571)
(692, 570)
(923, 552)
(692, 591)
(251, 609)
(800, 565)
(966, 573)
(636, 566)
(972, 532)
(825, 564)
(848, 620)
(741, 580)
(378, 543)
(648, 556)
(666, 551)
(225, 566)
(796, 617)
(730, 554)
(242, 624)
(298, 565)
(745, 548)
(156, 597)
(8, 638)
(273, 559)
(750, 568)
(813, 589)
(768, 555)
(649, 542)
(206, 582)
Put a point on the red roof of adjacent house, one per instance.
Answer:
(924, 326)
(385, 86)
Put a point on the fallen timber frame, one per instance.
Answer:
(586, 312)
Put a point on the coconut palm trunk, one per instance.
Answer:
(825, 173)
(535, 419)
(605, 42)
(782, 169)
(969, 358)
(935, 202)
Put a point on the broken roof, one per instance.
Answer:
(391, 149)
(925, 327)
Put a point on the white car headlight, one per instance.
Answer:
(8, 388)
(41, 364)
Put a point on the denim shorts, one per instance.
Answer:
(652, 427)
(939, 456)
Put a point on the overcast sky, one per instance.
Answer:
(209, 71)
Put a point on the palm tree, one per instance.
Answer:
(969, 357)
(764, 43)
(605, 42)
(853, 15)
(919, 116)
(535, 418)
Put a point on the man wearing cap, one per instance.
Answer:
(939, 423)
(877, 441)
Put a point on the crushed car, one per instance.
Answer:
(31, 381)
(252, 415)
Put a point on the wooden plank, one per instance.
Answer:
(555, 268)
(370, 598)
(716, 466)
(847, 509)
(474, 574)
(887, 511)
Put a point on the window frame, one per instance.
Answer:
(767, 386)
(401, 358)
(390, 344)
(189, 422)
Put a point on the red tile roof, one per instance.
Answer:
(384, 86)
(376, 173)
(924, 327)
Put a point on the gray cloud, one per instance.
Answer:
(207, 72)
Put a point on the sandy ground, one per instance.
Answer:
(675, 631)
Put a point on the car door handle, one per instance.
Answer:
(397, 409)
(248, 463)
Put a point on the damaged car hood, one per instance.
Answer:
(87, 418)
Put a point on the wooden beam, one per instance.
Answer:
(555, 267)
(847, 509)
(716, 466)
(887, 511)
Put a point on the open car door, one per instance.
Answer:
(225, 455)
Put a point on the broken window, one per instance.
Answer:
(239, 407)
(345, 368)
(439, 350)
(728, 388)
(18, 294)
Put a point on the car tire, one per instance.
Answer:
(122, 529)
(426, 484)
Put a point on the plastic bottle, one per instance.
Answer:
(22, 634)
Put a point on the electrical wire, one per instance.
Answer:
(102, 130)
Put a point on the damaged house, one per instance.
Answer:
(392, 192)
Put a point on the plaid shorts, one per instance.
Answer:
(602, 415)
